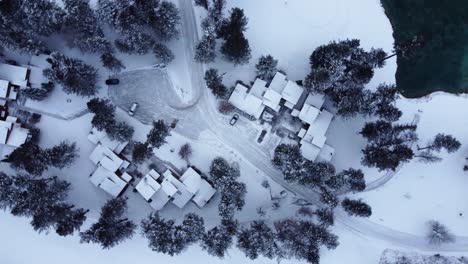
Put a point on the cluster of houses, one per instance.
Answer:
(157, 189)
(13, 78)
(265, 100)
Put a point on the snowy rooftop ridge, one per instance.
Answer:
(158, 189)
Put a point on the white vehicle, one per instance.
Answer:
(132, 110)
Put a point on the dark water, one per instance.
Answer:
(442, 64)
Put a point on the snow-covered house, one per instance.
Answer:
(313, 137)
(249, 101)
(109, 174)
(11, 132)
(7, 91)
(16, 75)
(158, 189)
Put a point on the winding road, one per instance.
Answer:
(260, 159)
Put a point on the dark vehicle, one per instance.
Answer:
(112, 81)
(262, 136)
(234, 119)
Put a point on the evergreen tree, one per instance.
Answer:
(215, 12)
(157, 135)
(325, 216)
(134, 41)
(62, 155)
(258, 240)
(316, 173)
(388, 144)
(7, 191)
(167, 21)
(348, 180)
(328, 197)
(28, 157)
(41, 16)
(217, 241)
(74, 75)
(214, 82)
(202, 3)
(438, 233)
(112, 226)
(382, 103)
(232, 192)
(302, 239)
(266, 67)
(235, 48)
(111, 62)
(289, 160)
(356, 208)
(38, 94)
(166, 237)
(141, 151)
(82, 25)
(205, 51)
(120, 131)
(162, 53)
(442, 141)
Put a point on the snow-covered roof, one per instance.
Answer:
(107, 158)
(309, 151)
(36, 77)
(4, 88)
(315, 100)
(159, 200)
(16, 75)
(272, 99)
(183, 195)
(204, 194)
(108, 181)
(320, 126)
(308, 113)
(147, 187)
(246, 102)
(11, 132)
(278, 83)
(191, 179)
(40, 61)
(326, 153)
(96, 137)
(258, 88)
(291, 93)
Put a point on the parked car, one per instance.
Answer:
(234, 119)
(132, 110)
(112, 81)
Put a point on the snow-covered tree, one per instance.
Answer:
(38, 94)
(356, 208)
(388, 145)
(43, 17)
(134, 41)
(215, 12)
(157, 135)
(442, 141)
(7, 191)
(104, 113)
(111, 62)
(348, 180)
(328, 197)
(316, 173)
(62, 155)
(232, 191)
(235, 47)
(325, 216)
(166, 237)
(224, 107)
(214, 82)
(438, 233)
(266, 67)
(163, 53)
(120, 131)
(141, 151)
(167, 21)
(28, 157)
(202, 3)
(381, 103)
(74, 75)
(205, 51)
(82, 26)
(289, 160)
(112, 226)
(218, 240)
(302, 239)
(185, 152)
(258, 240)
